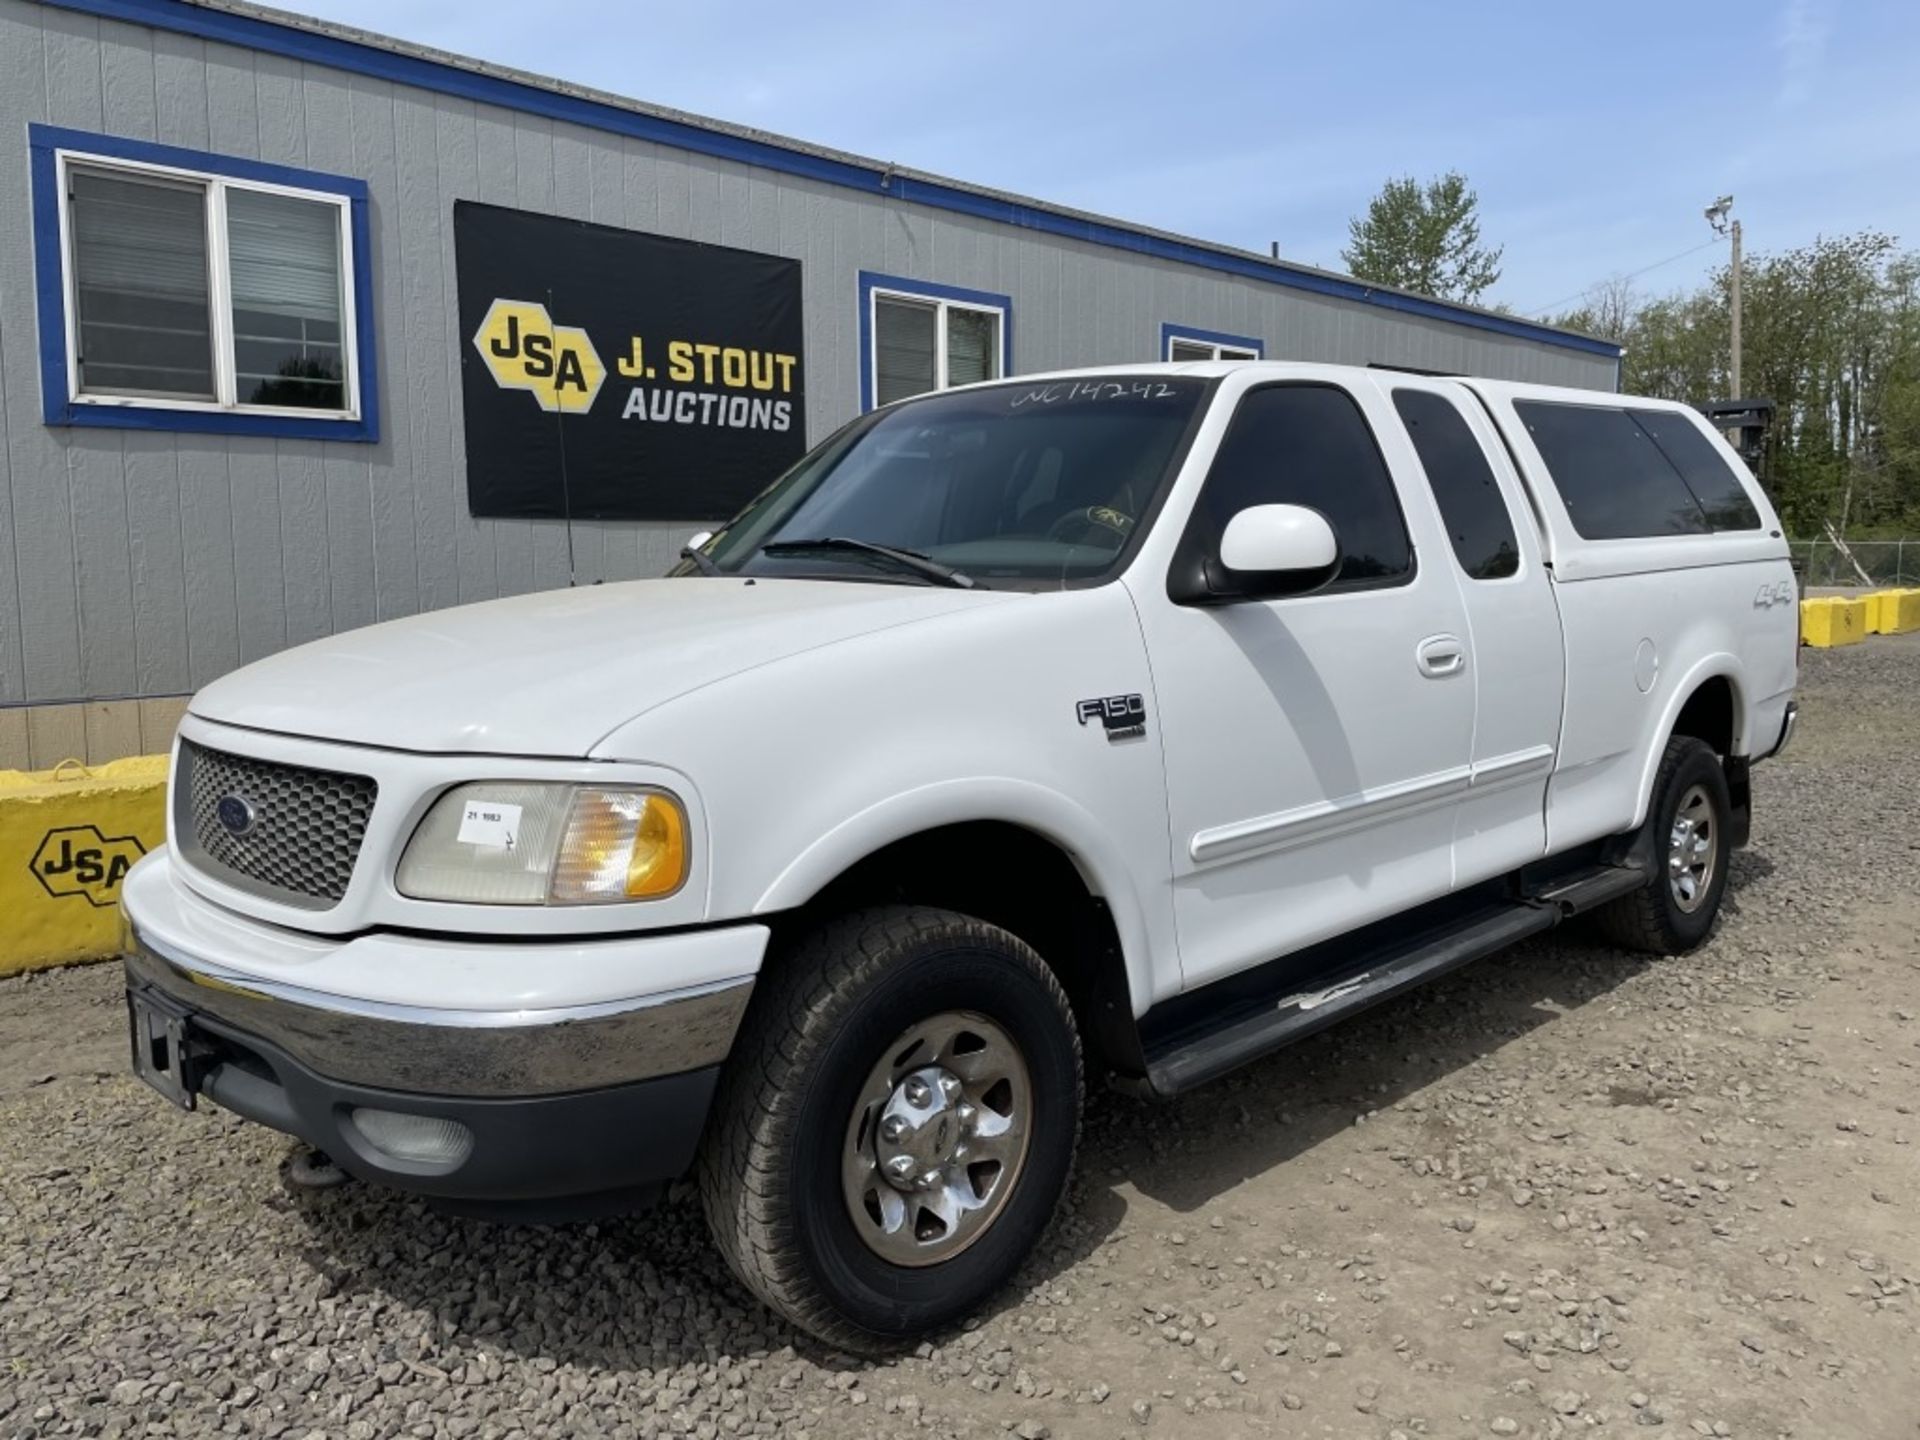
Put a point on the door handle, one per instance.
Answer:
(1440, 656)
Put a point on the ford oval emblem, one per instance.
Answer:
(236, 814)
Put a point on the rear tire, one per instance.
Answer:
(836, 1082)
(1689, 816)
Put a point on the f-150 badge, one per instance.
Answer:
(1123, 716)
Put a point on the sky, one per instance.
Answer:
(1594, 134)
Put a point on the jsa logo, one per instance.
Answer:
(79, 860)
(524, 350)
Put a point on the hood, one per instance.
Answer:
(553, 673)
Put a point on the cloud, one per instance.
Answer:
(1801, 39)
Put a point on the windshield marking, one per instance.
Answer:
(1094, 390)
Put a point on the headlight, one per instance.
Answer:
(526, 843)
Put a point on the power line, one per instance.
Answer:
(1541, 311)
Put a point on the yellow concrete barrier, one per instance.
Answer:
(68, 836)
(1874, 601)
(1833, 620)
(1899, 612)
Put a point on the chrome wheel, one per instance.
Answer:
(937, 1138)
(1693, 849)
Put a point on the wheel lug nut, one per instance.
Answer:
(892, 1128)
(966, 1114)
(949, 1086)
(917, 1092)
(900, 1166)
(930, 1179)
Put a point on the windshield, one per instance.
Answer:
(1009, 484)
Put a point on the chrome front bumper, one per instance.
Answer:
(475, 1016)
(506, 1145)
(452, 1051)
(567, 1096)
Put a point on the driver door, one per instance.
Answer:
(1317, 746)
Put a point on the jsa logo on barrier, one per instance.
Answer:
(79, 860)
(525, 350)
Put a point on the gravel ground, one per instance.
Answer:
(1565, 1190)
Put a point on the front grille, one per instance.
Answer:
(296, 831)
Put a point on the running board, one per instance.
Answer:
(1577, 893)
(1248, 1032)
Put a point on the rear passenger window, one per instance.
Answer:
(1617, 484)
(1309, 445)
(1705, 469)
(1469, 497)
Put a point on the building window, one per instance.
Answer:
(916, 336)
(189, 291)
(1184, 342)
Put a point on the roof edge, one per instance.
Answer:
(343, 47)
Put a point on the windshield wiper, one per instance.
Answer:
(905, 559)
(702, 561)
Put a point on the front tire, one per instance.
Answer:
(1689, 816)
(896, 1125)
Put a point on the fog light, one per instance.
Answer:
(416, 1139)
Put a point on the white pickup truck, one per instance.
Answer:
(1129, 723)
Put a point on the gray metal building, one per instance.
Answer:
(169, 516)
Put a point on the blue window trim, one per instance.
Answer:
(254, 33)
(49, 262)
(871, 281)
(1170, 333)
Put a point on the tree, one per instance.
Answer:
(1608, 309)
(1424, 238)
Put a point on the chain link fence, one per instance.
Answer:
(1887, 562)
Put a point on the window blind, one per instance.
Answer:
(973, 345)
(903, 348)
(283, 254)
(140, 278)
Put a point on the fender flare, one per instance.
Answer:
(999, 799)
(1718, 666)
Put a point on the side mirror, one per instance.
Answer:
(1280, 540)
(1266, 552)
(699, 538)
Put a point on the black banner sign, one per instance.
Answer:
(620, 376)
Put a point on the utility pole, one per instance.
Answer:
(1720, 217)
(1733, 316)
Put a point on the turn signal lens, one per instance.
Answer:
(621, 845)
(658, 862)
